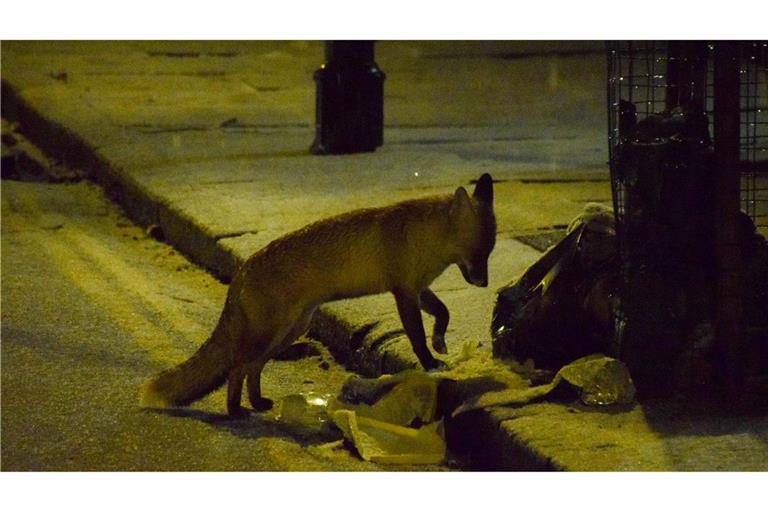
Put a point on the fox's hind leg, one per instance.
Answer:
(235, 390)
(254, 369)
(253, 381)
(430, 303)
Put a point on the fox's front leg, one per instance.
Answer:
(410, 315)
(430, 303)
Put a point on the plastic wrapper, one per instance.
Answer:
(388, 443)
(393, 423)
(401, 399)
(601, 381)
(307, 410)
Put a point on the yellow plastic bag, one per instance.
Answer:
(602, 380)
(387, 443)
(382, 432)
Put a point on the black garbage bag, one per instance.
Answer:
(561, 308)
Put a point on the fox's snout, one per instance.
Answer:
(474, 275)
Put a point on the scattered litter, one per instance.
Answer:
(471, 363)
(601, 380)
(391, 420)
(306, 410)
(388, 443)
(400, 399)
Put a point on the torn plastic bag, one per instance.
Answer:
(307, 410)
(406, 398)
(391, 420)
(388, 443)
(601, 381)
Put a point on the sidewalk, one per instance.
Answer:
(209, 141)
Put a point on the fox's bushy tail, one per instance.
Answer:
(191, 380)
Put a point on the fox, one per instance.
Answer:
(401, 249)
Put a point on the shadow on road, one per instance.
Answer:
(258, 425)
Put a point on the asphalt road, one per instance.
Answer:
(91, 306)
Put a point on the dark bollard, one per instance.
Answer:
(350, 100)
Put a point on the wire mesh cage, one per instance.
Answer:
(753, 138)
(688, 132)
(648, 75)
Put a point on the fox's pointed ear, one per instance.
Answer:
(460, 202)
(484, 189)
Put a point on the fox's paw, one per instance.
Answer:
(439, 367)
(435, 365)
(438, 343)
(262, 404)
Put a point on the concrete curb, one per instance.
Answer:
(481, 440)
